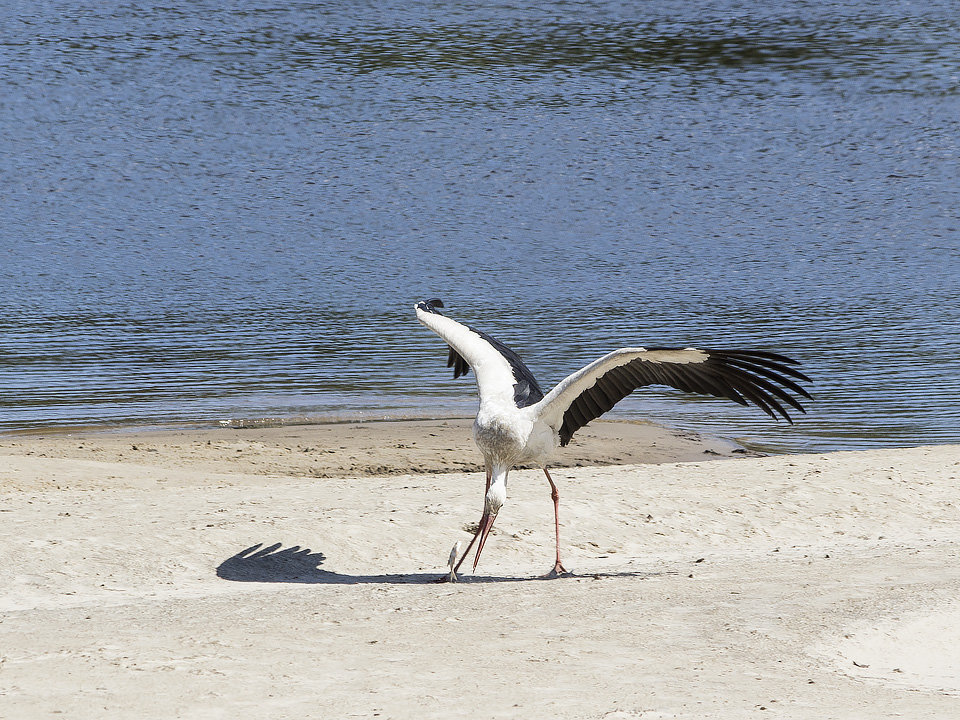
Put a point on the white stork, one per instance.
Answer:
(518, 424)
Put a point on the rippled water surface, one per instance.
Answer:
(218, 214)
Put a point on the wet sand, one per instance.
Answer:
(357, 448)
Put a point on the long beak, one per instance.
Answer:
(486, 525)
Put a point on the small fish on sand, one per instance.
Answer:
(452, 577)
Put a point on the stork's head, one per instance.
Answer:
(495, 498)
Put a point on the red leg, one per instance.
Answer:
(558, 568)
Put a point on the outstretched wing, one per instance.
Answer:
(501, 374)
(744, 376)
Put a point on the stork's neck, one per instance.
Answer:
(497, 493)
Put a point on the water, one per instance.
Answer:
(217, 214)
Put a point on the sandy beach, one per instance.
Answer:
(291, 573)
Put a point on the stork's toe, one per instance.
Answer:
(558, 571)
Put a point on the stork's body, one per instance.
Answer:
(517, 424)
(512, 436)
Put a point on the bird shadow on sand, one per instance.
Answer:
(276, 564)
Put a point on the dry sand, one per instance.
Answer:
(217, 574)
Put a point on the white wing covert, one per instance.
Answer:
(501, 374)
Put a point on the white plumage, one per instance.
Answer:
(517, 424)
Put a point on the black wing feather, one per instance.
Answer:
(743, 376)
(459, 365)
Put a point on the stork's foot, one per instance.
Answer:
(450, 577)
(558, 571)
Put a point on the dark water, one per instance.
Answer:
(218, 214)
